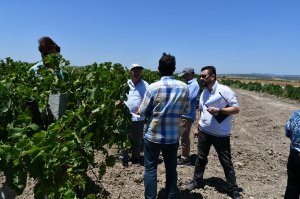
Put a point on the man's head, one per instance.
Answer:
(208, 76)
(136, 72)
(47, 46)
(166, 65)
(187, 73)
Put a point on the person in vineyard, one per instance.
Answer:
(46, 47)
(50, 53)
(217, 104)
(137, 89)
(292, 131)
(164, 103)
(187, 120)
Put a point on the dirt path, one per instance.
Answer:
(259, 150)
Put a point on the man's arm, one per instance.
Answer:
(144, 108)
(193, 92)
(226, 110)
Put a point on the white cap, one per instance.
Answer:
(136, 66)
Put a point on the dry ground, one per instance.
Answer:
(259, 150)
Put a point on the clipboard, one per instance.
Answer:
(221, 117)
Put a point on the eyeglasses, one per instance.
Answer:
(204, 76)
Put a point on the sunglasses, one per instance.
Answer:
(204, 76)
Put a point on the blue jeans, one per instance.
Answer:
(151, 156)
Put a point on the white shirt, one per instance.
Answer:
(208, 123)
(135, 98)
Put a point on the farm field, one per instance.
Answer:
(280, 82)
(259, 149)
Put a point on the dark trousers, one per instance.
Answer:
(151, 157)
(136, 139)
(293, 170)
(222, 146)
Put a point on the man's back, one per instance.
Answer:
(164, 103)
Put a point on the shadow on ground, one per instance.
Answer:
(181, 195)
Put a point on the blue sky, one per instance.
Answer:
(236, 36)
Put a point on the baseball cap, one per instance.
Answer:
(185, 71)
(136, 66)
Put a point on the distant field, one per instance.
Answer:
(265, 81)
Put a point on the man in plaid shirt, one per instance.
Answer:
(163, 105)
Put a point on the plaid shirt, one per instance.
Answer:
(163, 105)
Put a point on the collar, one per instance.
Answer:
(214, 88)
(167, 77)
(192, 80)
(130, 82)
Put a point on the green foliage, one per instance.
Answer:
(59, 152)
(151, 76)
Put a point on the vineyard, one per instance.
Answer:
(287, 91)
(58, 152)
(280, 82)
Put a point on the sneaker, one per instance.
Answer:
(236, 195)
(184, 161)
(194, 184)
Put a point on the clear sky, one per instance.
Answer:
(236, 36)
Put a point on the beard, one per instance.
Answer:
(205, 84)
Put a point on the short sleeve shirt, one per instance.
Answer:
(164, 104)
(134, 98)
(219, 97)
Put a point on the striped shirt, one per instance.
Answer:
(292, 130)
(164, 103)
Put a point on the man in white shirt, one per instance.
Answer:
(137, 89)
(217, 105)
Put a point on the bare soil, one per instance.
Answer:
(259, 151)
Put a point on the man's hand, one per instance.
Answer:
(196, 133)
(117, 103)
(213, 110)
(138, 112)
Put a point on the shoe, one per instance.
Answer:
(135, 160)
(236, 195)
(194, 184)
(184, 161)
(124, 160)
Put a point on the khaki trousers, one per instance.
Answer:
(185, 130)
